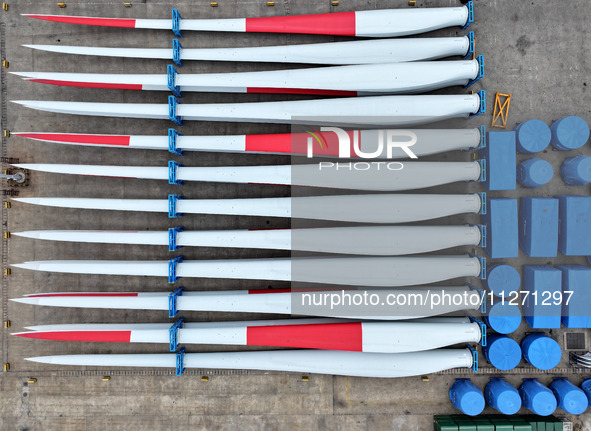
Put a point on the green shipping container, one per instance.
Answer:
(483, 424)
(444, 423)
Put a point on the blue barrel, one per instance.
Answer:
(534, 173)
(467, 397)
(537, 397)
(569, 133)
(502, 396)
(503, 318)
(532, 136)
(501, 280)
(541, 351)
(586, 387)
(502, 352)
(570, 398)
(576, 171)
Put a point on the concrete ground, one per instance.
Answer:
(535, 50)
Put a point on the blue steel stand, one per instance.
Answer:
(482, 329)
(172, 301)
(474, 358)
(172, 116)
(172, 238)
(470, 20)
(172, 203)
(173, 334)
(482, 203)
(482, 163)
(172, 173)
(482, 228)
(176, 23)
(480, 75)
(471, 46)
(180, 358)
(172, 142)
(172, 268)
(176, 52)
(171, 74)
(482, 260)
(482, 108)
(482, 292)
(482, 138)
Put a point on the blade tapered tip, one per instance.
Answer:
(26, 265)
(35, 234)
(27, 200)
(43, 359)
(25, 74)
(24, 134)
(31, 301)
(26, 103)
(22, 334)
(29, 166)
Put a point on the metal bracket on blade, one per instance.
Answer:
(176, 52)
(173, 333)
(172, 202)
(172, 104)
(482, 260)
(471, 46)
(482, 138)
(172, 267)
(172, 141)
(172, 173)
(482, 328)
(482, 163)
(171, 74)
(180, 358)
(172, 237)
(176, 23)
(482, 203)
(474, 357)
(480, 75)
(470, 20)
(172, 299)
(482, 292)
(482, 108)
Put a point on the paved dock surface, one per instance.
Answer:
(535, 50)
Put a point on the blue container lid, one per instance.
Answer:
(502, 352)
(538, 398)
(569, 133)
(503, 318)
(534, 172)
(532, 136)
(541, 351)
(586, 387)
(502, 396)
(502, 278)
(508, 402)
(570, 398)
(576, 171)
(467, 397)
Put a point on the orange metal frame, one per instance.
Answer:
(501, 110)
